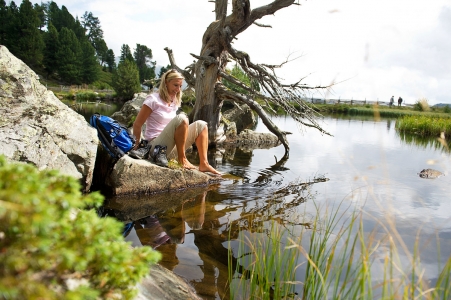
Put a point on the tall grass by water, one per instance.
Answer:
(424, 125)
(267, 266)
(381, 110)
(341, 261)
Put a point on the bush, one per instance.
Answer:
(86, 96)
(49, 237)
(421, 105)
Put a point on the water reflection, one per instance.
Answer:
(191, 230)
(87, 109)
(424, 142)
(366, 165)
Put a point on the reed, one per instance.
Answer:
(266, 266)
(424, 125)
(340, 262)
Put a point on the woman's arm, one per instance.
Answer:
(142, 116)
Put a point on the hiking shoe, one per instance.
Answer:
(159, 156)
(142, 152)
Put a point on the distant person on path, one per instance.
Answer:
(392, 100)
(399, 101)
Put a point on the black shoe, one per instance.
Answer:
(159, 156)
(142, 152)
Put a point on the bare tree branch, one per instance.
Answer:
(288, 96)
(188, 74)
(225, 93)
(262, 25)
(221, 11)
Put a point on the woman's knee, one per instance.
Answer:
(201, 125)
(182, 119)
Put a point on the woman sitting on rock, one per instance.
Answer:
(169, 133)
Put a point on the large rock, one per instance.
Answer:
(37, 128)
(163, 284)
(139, 176)
(237, 126)
(242, 116)
(130, 110)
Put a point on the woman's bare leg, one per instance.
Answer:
(202, 147)
(180, 135)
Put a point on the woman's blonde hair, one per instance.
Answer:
(163, 90)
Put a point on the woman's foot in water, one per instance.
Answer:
(207, 168)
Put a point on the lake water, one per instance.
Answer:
(365, 165)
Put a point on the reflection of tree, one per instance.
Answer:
(208, 223)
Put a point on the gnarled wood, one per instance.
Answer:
(211, 64)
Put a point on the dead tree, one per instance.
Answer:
(206, 73)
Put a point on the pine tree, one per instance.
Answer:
(54, 15)
(126, 54)
(40, 11)
(11, 36)
(94, 33)
(143, 59)
(68, 56)
(51, 40)
(67, 20)
(4, 22)
(30, 43)
(101, 50)
(89, 65)
(110, 60)
(126, 79)
(164, 70)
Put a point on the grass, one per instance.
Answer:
(424, 125)
(263, 276)
(339, 262)
(382, 111)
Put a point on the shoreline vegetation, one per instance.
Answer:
(339, 258)
(419, 120)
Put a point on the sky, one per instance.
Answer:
(369, 49)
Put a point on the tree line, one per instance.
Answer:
(55, 44)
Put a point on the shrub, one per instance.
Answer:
(447, 109)
(86, 96)
(48, 237)
(421, 105)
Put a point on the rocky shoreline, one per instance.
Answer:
(37, 128)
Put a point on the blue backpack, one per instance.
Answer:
(116, 139)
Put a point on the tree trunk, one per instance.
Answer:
(214, 54)
(212, 60)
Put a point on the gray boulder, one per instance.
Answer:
(242, 116)
(130, 110)
(37, 128)
(164, 284)
(139, 176)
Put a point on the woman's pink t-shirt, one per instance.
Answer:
(160, 116)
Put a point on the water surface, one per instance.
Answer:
(365, 165)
